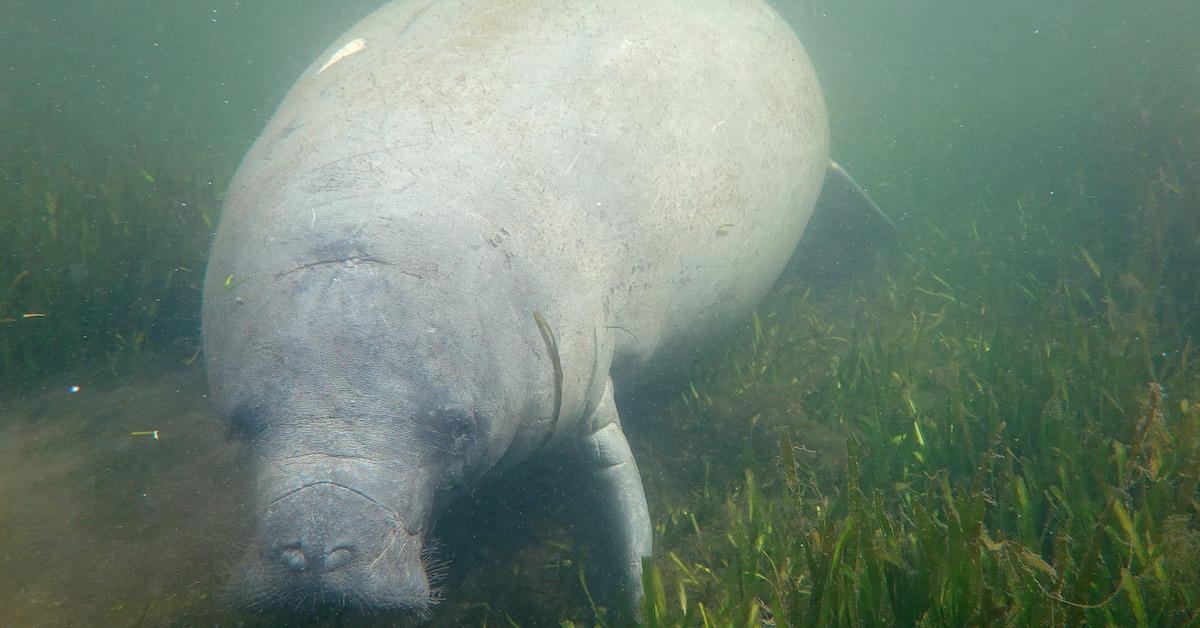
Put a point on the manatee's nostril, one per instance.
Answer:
(338, 557)
(293, 558)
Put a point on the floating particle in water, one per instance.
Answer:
(72, 389)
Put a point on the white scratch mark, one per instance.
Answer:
(350, 48)
(314, 218)
(572, 166)
(717, 126)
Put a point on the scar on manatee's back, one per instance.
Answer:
(350, 261)
(353, 46)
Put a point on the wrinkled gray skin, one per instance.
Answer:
(636, 172)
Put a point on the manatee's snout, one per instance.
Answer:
(329, 545)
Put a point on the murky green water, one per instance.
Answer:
(1042, 162)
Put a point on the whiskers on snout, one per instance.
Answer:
(436, 569)
(264, 587)
(328, 547)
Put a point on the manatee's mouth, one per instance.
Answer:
(328, 547)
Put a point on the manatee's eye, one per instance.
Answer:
(458, 424)
(246, 420)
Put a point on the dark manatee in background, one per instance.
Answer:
(463, 228)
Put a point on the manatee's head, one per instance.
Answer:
(345, 505)
(369, 399)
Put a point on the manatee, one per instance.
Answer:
(466, 226)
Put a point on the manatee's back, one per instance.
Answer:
(653, 160)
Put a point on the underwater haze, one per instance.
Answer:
(992, 419)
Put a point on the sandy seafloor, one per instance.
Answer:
(102, 528)
(98, 527)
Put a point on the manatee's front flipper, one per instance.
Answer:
(620, 501)
(846, 232)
